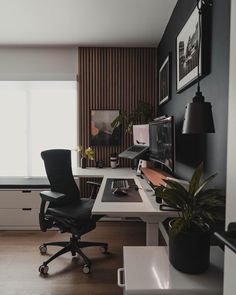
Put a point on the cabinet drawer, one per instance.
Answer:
(19, 199)
(18, 217)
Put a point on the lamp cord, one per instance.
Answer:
(199, 7)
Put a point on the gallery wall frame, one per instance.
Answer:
(101, 132)
(165, 81)
(187, 42)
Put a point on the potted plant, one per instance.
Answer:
(197, 208)
(89, 152)
(141, 115)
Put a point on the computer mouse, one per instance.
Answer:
(119, 193)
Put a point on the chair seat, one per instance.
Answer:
(78, 210)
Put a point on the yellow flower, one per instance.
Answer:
(89, 152)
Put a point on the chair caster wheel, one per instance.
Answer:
(86, 269)
(43, 269)
(104, 250)
(43, 249)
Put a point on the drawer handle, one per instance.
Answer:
(26, 191)
(119, 283)
(26, 209)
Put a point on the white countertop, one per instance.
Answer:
(148, 207)
(104, 172)
(148, 271)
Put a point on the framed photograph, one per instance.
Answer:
(101, 132)
(188, 52)
(164, 81)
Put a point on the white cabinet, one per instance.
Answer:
(147, 271)
(20, 202)
(19, 209)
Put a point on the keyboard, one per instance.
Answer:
(133, 152)
(136, 148)
(121, 184)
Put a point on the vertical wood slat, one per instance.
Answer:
(86, 189)
(114, 78)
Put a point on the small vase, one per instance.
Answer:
(83, 162)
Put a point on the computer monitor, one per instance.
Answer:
(162, 143)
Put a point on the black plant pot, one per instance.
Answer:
(83, 162)
(189, 252)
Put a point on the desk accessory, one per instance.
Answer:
(120, 187)
(114, 161)
(89, 152)
(100, 164)
(140, 143)
(120, 184)
(132, 195)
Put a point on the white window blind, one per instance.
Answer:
(35, 116)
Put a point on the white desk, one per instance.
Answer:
(147, 271)
(148, 210)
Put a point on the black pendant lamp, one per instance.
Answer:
(198, 118)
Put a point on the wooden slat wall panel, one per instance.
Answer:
(86, 189)
(114, 78)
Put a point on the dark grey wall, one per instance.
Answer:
(211, 148)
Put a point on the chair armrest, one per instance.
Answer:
(95, 188)
(93, 183)
(51, 196)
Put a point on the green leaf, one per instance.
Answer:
(204, 183)
(118, 120)
(206, 206)
(195, 180)
(90, 153)
(178, 187)
(172, 197)
(178, 225)
(130, 127)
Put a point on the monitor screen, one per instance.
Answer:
(141, 134)
(161, 147)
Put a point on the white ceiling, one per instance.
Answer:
(84, 22)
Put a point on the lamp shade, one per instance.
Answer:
(198, 118)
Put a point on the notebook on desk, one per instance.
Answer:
(140, 142)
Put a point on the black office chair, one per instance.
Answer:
(66, 210)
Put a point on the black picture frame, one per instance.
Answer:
(189, 36)
(165, 81)
(101, 132)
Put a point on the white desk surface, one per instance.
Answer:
(148, 271)
(104, 172)
(148, 207)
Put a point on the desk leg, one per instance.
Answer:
(152, 234)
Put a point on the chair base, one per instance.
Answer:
(74, 246)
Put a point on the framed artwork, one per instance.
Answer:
(188, 52)
(164, 81)
(101, 132)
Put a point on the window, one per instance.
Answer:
(35, 116)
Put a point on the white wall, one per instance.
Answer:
(230, 257)
(38, 63)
